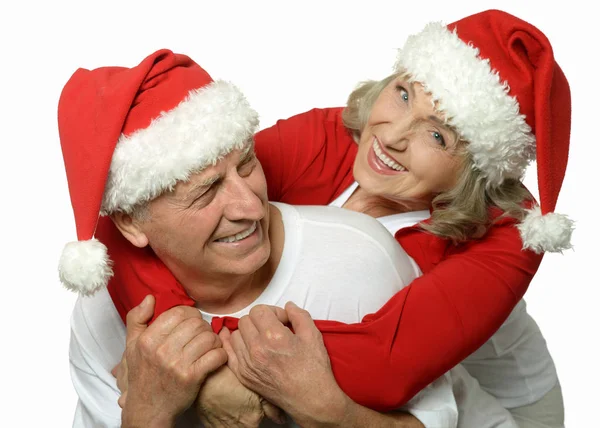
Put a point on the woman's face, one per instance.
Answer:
(406, 153)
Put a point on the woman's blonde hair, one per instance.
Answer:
(463, 212)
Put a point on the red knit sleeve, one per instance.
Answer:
(308, 158)
(433, 324)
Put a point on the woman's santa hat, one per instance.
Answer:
(130, 134)
(496, 79)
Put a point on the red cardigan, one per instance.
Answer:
(465, 294)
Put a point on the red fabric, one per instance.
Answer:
(137, 273)
(524, 58)
(97, 106)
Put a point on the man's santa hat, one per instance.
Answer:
(495, 78)
(130, 134)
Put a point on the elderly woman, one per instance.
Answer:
(445, 134)
(451, 131)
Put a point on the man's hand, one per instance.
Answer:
(290, 369)
(166, 363)
(120, 373)
(224, 402)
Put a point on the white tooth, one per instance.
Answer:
(385, 159)
(239, 236)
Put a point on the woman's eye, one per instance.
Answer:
(439, 138)
(403, 92)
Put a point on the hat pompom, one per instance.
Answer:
(551, 232)
(84, 266)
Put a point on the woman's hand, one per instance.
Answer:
(224, 402)
(290, 369)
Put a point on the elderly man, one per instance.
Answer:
(167, 153)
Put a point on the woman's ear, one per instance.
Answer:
(130, 229)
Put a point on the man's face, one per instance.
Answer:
(214, 225)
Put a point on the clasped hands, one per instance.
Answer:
(231, 379)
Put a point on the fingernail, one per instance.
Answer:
(145, 301)
(293, 304)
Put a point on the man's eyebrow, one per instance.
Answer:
(199, 188)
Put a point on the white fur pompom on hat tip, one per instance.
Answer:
(551, 232)
(84, 266)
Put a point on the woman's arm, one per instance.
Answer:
(463, 297)
(298, 375)
(434, 323)
(308, 158)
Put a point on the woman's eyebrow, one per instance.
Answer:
(411, 89)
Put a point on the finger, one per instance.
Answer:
(239, 349)
(301, 321)
(200, 345)
(247, 330)
(232, 361)
(209, 362)
(166, 322)
(184, 333)
(225, 334)
(273, 412)
(137, 319)
(280, 313)
(267, 323)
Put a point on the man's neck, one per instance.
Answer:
(228, 294)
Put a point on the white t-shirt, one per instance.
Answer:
(329, 255)
(514, 365)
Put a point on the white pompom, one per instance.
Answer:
(551, 232)
(84, 266)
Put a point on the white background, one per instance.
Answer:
(287, 57)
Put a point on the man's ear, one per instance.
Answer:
(130, 229)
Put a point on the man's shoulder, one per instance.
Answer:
(345, 223)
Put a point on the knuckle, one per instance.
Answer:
(244, 322)
(178, 312)
(258, 311)
(183, 377)
(145, 344)
(198, 324)
(303, 312)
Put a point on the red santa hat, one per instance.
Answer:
(496, 79)
(130, 134)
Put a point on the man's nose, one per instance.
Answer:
(243, 203)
